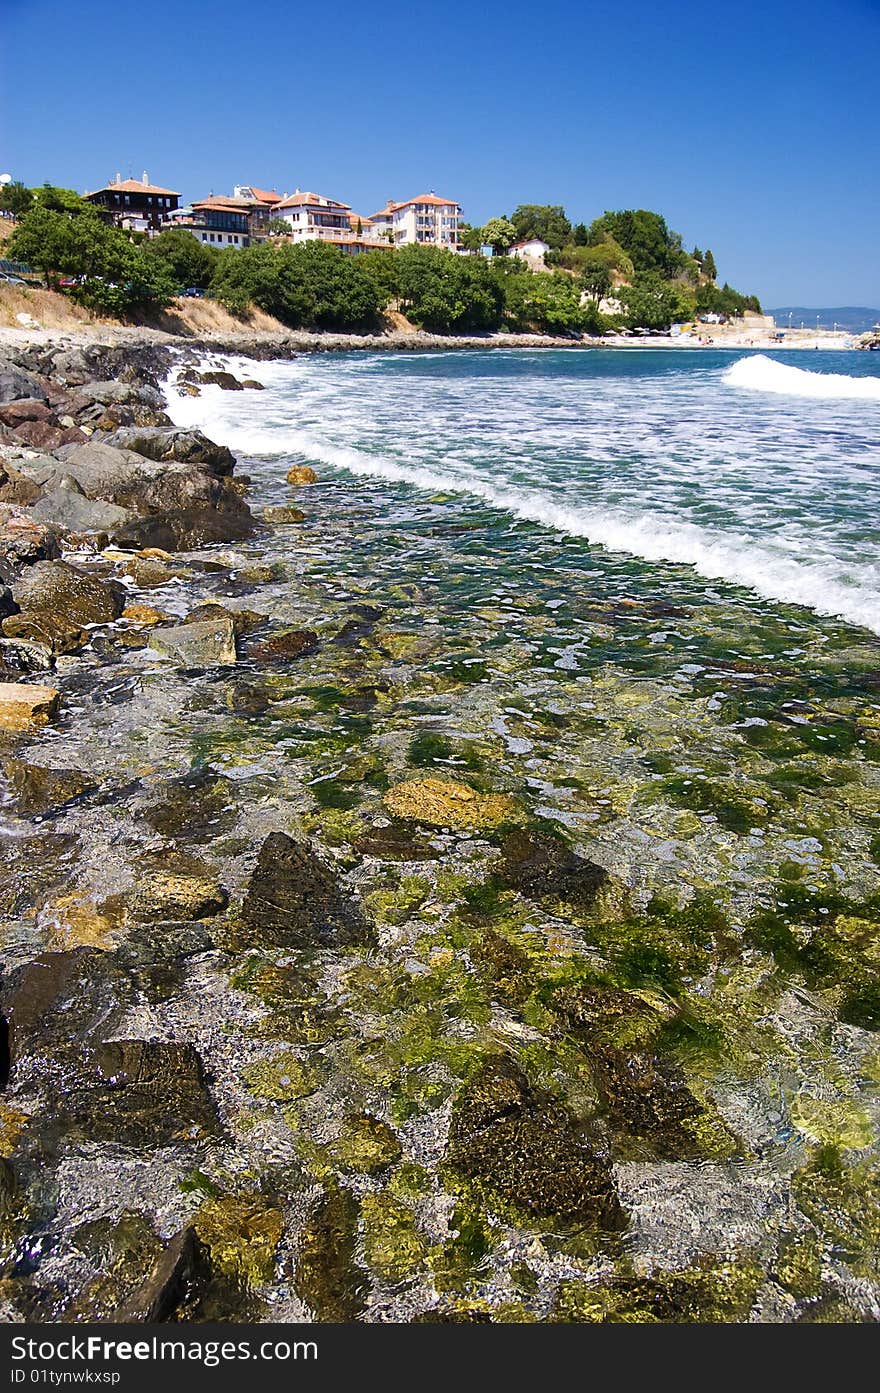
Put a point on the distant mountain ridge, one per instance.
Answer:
(856, 319)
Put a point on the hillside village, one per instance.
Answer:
(250, 215)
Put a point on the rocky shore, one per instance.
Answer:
(311, 1008)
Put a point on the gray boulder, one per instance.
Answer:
(55, 588)
(16, 383)
(67, 506)
(122, 394)
(181, 446)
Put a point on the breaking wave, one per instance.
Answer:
(759, 373)
(781, 544)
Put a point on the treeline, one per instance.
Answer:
(627, 262)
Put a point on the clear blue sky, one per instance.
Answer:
(752, 126)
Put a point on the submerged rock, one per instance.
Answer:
(445, 803)
(327, 1277)
(294, 901)
(67, 593)
(181, 1271)
(283, 513)
(169, 896)
(529, 1150)
(294, 643)
(141, 1093)
(208, 644)
(542, 867)
(38, 790)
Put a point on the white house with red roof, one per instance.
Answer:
(310, 217)
(427, 220)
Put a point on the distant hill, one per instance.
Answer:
(854, 318)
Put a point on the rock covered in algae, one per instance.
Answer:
(242, 1233)
(529, 1150)
(169, 896)
(393, 1244)
(207, 644)
(446, 803)
(301, 474)
(666, 1297)
(327, 1275)
(542, 867)
(366, 1145)
(294, 900)
(38, 790)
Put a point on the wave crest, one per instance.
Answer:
(758, 373)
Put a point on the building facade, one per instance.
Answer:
(309, 217)
(135, 204)
(426, 221)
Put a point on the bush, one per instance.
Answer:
(185, 259)
(309, 285)
(654, 303)
(445, 293)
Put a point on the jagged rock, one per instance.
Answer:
(22, 658)
(177, 445)
(529, 1150)
(44, 435)
(23, 707)
(122, 394)
(181, 1271)
(209, 644)
(16, 383)
(38, 790)
(60, 590)
(25, 409)
(24, 540)
(295, 643)
(293, 900)
(145, 615)
(16, 486)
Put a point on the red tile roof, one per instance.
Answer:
(312, 200)
(133, 186)
(262, 195)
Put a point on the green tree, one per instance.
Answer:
(708, 266)
(16, 199)
(470, 237)
(447, 294)
(115, 276)
(545, 302)
(645, 238)
(186, 260)
(544, 220)
(651, 302)
(60, 200)
(500, 235)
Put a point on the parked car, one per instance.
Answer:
(193, 292)
(7, 279)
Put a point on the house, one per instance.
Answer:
(218, 221)
(260, 204)
(310, 217)
(134, 204)
(426, 220)
(532, 249)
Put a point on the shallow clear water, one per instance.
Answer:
(756, 470)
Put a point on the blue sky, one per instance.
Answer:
(752, 126)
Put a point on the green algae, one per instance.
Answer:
(726, 1294)
(327, 1276)
(393, 1244)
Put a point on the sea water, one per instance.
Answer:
(757, 470)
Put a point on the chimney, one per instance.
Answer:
(145, 179)
(118, 179)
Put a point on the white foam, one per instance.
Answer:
(758, 373)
